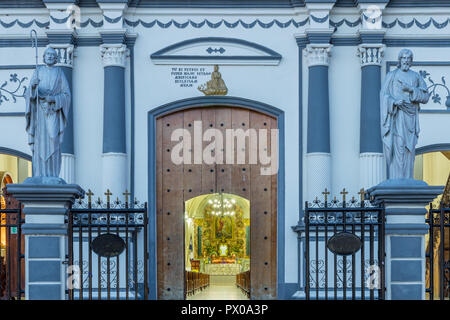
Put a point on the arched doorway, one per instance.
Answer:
(174, 183)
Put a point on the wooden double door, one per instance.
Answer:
(177, 183)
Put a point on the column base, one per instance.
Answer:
(114, 173)
(371, 169)
(318, 174)
(68, 167)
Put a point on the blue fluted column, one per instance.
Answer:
(372, 169)
(318, 155)
(62, 41)
(114, 158)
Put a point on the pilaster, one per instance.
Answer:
(114, 53)
(45, 230)
(405, 201)
(371, 53)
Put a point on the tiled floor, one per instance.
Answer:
(219, 292)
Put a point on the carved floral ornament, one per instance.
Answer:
(371, 54)
(12, 89)
(318, 54)
(65, 54)
(114, 54)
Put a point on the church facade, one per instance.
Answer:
(154, 83)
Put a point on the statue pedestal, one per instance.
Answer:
(405, 201)
(45, 230)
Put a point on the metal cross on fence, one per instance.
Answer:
(108, 194)
(89, 194)
(126, 194)
(344, 193)
(361, 194)
(326, 193)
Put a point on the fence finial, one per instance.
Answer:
(126, 194)
(326, 193)
(108, 194)
(344, 193)
(89, 194)
(361, 194)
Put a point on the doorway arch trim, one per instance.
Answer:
(205, 102)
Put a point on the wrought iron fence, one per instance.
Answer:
(344, 249)
(12, 249)
(438, 253)
(108, 254)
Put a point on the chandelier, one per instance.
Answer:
(222, 206)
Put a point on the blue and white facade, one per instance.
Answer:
(320, 62)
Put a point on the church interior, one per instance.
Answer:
(434, 169)
(12, 170)
(217, 247)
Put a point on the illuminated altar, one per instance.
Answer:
(217, 233)
(222, 269)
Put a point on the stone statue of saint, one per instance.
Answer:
(47, 108)
(400, 97)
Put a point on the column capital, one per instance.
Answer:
(114, 55)
(65, 54)
(371, 54)
(318, 54)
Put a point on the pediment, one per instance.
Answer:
(216, 50)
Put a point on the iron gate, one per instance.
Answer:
(12, 249)
(108, 255)
(438, 253)
(344, 250)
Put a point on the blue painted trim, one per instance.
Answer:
(17, 66)
(419, 42)
(301, 43)
(44, 247)
(44, 270)
(15, 153)
(435, 111)
(406, 270)
(68, 139)
(406, 247)
(132, 147)
(395, 211)
(44, 291)
(418, 3)
(21, 42)
(24, 25)
(407, 228)
(12, 114)
(400, 291)
(217, 4)
(433, 148)
(215, 25)
(204, 102)
(163, 53)
(114, 130)
(49, 228)
(370, 133)
(318, 127)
